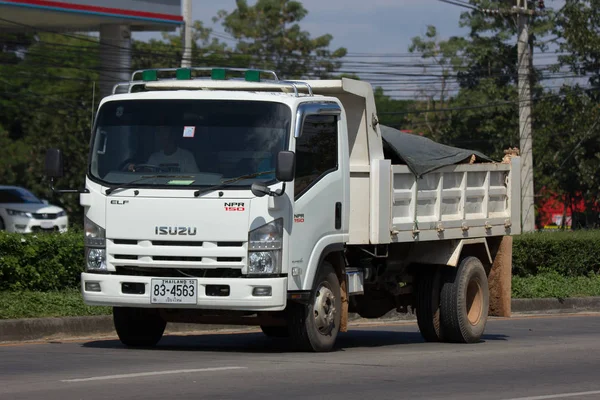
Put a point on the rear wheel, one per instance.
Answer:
(275, 331)
(138, 327)
(428, 304)
(465, 302)
(315, 326)
(2, 227)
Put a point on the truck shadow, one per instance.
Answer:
(259, 343)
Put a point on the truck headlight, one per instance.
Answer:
(264, 248)
(95, 246)
(95, 259)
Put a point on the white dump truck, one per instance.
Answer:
(230, 196)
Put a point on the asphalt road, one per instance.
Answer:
(532, 358)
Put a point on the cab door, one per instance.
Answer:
(321, 192)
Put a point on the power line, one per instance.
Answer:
(460, 4)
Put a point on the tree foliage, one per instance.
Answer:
(269, 35)
(578, 27)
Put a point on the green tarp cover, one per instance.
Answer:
(423, 155)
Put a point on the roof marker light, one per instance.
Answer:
(149, 75)
(183, 74)
(218, 74)
(252, 76)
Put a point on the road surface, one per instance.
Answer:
(524, 358)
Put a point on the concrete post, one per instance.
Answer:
(115, 56)
(525, 135)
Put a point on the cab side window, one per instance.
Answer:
(316, 151)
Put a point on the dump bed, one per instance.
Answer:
(420, 190)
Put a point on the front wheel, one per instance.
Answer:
(315, 326)
(138, 327)
(465, 302)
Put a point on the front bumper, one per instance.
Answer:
(240, 294)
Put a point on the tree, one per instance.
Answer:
(269, 35)
(446, 58)
(477, 77)
(392, 112)
(578, 27)
(207, 50)
(46, 102)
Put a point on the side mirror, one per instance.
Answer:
(286, 166)
(45, 202)
(259, 189)
(54, 163)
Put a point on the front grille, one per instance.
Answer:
(229, 259)
(165, 254)
(175, 243)
(177, 258)
(230, 244)
(181, 272)
(125, 242)
(44, 216)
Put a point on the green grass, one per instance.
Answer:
(552, 284)
(68, 303)
(27, 304)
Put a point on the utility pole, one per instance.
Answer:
(525, 136)
(525, 64)
(186, 59)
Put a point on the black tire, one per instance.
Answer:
(138, 327)
(275, 331)
(309, 329)
(465, 302)
(427, 304)
(2, 227)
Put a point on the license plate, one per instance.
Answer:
(174, 291)
(47, 224)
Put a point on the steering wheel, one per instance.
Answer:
(124, 166)
(146, 168)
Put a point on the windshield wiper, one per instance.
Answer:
(232, 180)
(143, 178)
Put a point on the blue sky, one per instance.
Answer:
(371, 26)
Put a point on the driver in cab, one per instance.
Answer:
(169, 157)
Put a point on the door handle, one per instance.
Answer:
(338, 215)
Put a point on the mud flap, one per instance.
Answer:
(500, 280)
(344, 310)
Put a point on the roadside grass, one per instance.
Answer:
(68, 303)
(28, 304)
(554, 285)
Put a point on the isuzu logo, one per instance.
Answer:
(175, 230)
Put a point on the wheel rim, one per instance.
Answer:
(324, 309)
(474, 302)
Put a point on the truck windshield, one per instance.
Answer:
(187, 142)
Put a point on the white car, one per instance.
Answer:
(22, 212)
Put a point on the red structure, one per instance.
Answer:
(553, 209)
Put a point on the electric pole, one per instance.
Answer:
(525, 136)
(186, 59)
